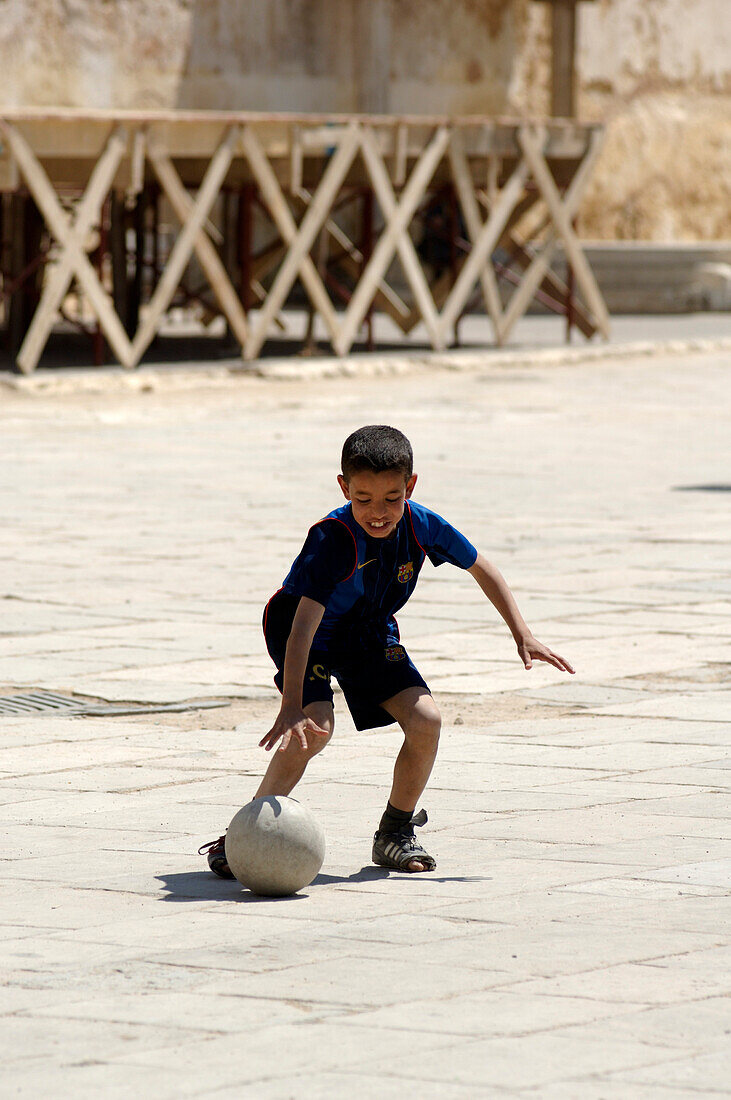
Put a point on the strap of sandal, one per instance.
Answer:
(401, 849)
(206, 848)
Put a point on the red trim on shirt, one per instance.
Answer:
(413, 532)
(266, 609)
(334, 519)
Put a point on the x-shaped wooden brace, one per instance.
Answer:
(210, 261)
(351, 260)
(561, 211)
(484, 239)
(395, 238)
(300, 240)
(71, 233)
(194, 215)
(473, 220)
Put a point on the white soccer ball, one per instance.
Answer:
(274, 846)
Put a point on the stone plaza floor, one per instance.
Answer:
(574, 942)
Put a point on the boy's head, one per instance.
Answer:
(377, 477)
(377, 448)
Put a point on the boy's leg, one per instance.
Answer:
(419, 718)
(287, 768)
(284, 772)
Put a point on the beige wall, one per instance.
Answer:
(657, 71)
(261, 54)
(86, 53)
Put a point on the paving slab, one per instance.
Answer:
(703, 1072)
(573, 942)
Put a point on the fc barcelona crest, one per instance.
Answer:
(395, 653)
(405, 572)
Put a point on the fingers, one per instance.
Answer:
(314, 728)
(309, 727)
(299, 731)
(558, 662)
(542, 653)
(269, 740)
(286, 738)
(554, 659)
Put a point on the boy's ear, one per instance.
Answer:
(410, 485)
(344, 486)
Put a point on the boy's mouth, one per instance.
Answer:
(378, 527)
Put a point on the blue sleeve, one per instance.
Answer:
(446, 543)
(327, 557)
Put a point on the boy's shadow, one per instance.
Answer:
(371, 874)
(203, 886)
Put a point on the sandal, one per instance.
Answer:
(397, 850)
(216, 852)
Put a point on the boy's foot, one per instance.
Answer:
(215, 850)
(401, 851)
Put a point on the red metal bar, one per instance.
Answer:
(98, 341)
(247, 197)
(570, 288)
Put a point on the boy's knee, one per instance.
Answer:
(322, 716)
(316, 743)
(425, 723)
(295, 758)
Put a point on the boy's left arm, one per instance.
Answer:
(495, 587)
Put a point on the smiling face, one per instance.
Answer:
(377, 499)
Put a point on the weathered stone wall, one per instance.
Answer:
(91, 53)
(271, 55)
(657, 72)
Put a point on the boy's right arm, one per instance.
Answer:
(291, 720)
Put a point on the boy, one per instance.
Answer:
(334, 615)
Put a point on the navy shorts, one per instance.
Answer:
(368, 676)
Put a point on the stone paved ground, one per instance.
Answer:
(574, 941)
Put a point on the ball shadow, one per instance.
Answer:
(203, 886)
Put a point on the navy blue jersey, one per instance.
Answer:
(362, 581)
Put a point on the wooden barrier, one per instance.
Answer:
(301, 170)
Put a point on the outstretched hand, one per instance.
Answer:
(289, 724)
(530, 650)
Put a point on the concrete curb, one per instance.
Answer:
(188, 376)
(479, 359)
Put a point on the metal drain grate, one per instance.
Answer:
(39, 701)
(34, 701)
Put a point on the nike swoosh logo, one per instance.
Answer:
(365, 563)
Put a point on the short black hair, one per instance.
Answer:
(377, 448)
